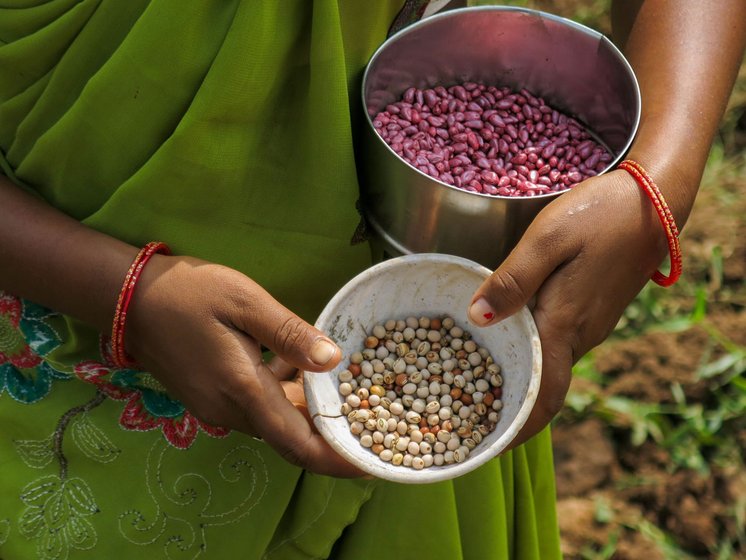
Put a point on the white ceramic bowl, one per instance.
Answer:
(430, 285)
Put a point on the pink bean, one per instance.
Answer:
(490, 177)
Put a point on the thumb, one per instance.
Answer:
(298, 343)
(515, 281)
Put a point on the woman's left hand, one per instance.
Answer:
(583, 259)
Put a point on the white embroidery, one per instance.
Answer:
(182, 513)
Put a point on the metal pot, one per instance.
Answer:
(574, 68)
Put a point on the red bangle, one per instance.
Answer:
(647, 184)
(118, 353)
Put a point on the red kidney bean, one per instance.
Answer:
(592, 160)
(460, 93)
(431, 98)
(496, 121)
(548, 151)
(519, 159)
(472, 140)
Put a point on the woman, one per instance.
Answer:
(225, 130)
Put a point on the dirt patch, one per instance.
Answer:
(645, 368)
(608, 487)
(584, 457)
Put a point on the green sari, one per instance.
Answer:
(225, 129)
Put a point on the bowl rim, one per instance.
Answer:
(432, 474)
(534, 13)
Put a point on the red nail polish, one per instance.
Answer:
(489, 316)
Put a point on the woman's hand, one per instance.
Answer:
(582, 260)
(199, 327)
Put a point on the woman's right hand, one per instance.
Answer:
(198, 327)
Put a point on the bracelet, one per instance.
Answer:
(119, 355)
(647, 184)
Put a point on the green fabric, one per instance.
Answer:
(224, 128)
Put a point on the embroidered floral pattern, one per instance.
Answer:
(184, 503)
(25, 339)
(147, 406)
(55, 516)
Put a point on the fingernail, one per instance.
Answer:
(322, 351)
(480, 312)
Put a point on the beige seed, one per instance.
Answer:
(357, 428)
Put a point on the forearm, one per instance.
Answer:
(54, 260)
(686, 55)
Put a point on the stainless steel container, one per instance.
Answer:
(574, 68)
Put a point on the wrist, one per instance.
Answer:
(676, 175)
(665, 216)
